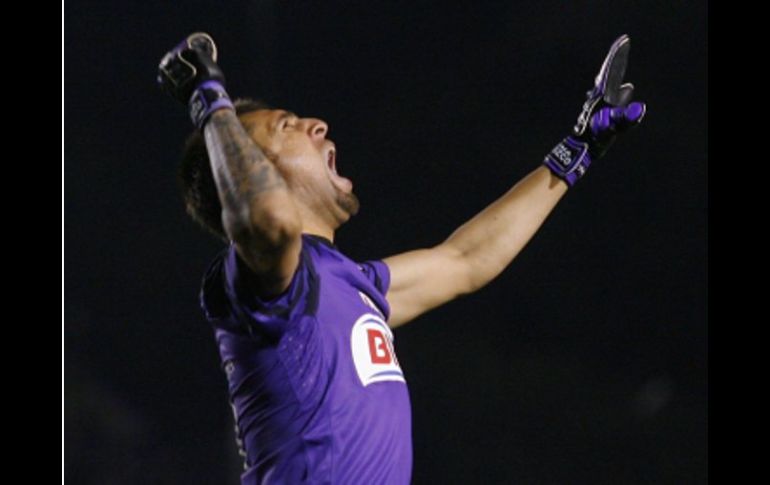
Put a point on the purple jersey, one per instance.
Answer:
(317, 391)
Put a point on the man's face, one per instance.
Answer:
(307, 161)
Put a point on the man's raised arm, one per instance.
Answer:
(481, 248)
(258, 212)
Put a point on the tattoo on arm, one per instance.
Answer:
(241, 169)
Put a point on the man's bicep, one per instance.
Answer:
(423, 279)
(272, 270)
(234, 281)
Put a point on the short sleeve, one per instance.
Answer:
(378, 273)
(232, 284)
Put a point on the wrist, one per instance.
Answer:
(208, 97)
(569, 160)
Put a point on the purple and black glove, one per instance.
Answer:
(189, 72)
(606, 113)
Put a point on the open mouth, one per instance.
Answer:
(331, 160)
(341, 182)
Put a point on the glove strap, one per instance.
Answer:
(207, 98)
(569, 160)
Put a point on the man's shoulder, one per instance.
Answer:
(213, 297)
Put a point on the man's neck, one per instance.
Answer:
(317, 230)
(312, 224)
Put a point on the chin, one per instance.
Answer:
(349, 203)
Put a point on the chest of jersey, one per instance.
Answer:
(354, 329)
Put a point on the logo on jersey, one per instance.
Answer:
(372, 344)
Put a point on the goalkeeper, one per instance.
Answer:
(304, 332)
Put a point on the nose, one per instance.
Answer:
(317, 129)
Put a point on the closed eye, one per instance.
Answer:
(288, 123)
(285, 121)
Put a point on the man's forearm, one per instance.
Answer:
(489, 242)
(254, 195)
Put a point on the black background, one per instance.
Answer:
(584, 362)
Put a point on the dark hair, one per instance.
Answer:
(196, 180)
